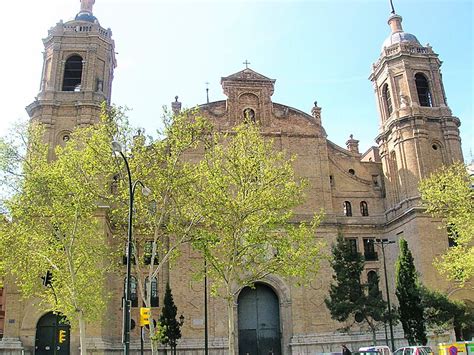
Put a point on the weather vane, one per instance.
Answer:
(391, 5)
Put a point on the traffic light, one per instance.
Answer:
(62, 336)
(47, 278)
(144, 316)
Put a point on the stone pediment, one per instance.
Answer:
(247, 74)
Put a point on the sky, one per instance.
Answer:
(315, 49)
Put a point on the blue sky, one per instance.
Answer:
(316, 50)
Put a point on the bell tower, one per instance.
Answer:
(417, 132)
(78, 69)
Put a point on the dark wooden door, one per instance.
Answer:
(52, 335)
(259, 321)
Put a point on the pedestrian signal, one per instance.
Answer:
(144, 316)
(62, 336)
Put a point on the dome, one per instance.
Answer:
(398, 37)
(86, 16)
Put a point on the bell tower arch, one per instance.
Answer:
(417, 132)
(78, 69)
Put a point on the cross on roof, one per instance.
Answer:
(246, 64)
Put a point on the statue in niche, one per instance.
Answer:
(404, 101)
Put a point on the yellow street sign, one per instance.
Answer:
(144, 316)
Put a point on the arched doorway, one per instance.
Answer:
(52, 335)
(259, 321)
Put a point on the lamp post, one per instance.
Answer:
(206, 333)
(126, 305)
(382, 243)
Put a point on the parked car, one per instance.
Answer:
(380, 350)
(372, 352)
(414, 350)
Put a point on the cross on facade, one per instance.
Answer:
(246, 64)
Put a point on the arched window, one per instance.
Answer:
(347, 209)
(387, 99)
(423, 90)
(72, 73)
(154, 301)
(373, 281)
(364, 209)
(133, 290)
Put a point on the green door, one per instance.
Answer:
(52, 335)
(259, 321)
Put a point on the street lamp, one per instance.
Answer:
(126, 306)
(206, 331)
(382, 243)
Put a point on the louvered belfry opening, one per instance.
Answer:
(72, 74)
(423, 90)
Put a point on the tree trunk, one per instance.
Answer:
(82, 333)
(374, 335)
(230, 315)
(154, 346)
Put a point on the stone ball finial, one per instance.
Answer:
(176, 105)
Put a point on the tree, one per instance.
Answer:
(164, 220)
(448, 194)
(55, 224)
(443, 314)
(84, 170)
(245, 194)
(171, 328)
(409, 297)
(350, 298)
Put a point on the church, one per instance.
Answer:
(365, 195)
